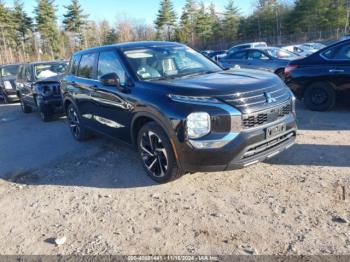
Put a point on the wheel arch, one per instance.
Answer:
(141, 118)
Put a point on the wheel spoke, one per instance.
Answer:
(154, 154)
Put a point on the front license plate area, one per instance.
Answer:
(275, 130)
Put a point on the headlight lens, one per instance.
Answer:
(198, 125)
(7, 85)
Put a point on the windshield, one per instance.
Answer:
(9, 70)
(281, 53)
(46, 70)
(168, 62)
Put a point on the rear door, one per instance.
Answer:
(237, 58)
(258, 60)
(27, 85)
(338, 66)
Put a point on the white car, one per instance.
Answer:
(300, 50)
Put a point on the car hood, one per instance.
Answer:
(51, 79)
(222, 83)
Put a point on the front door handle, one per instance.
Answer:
(336, 71)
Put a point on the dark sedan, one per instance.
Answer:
(270, 59)
(8, 74)
(321, 78)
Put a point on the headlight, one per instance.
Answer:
(293, 102)
(198, 125)
(7, 85)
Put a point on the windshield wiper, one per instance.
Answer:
(197, 73)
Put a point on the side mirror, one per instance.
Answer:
(111, 79)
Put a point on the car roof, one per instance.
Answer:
(47, 62)
(6, 65)
(127, 45)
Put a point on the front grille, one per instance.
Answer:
(252, 101)
(267, 145)
(266, 116)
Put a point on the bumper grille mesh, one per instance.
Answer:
(267, 116)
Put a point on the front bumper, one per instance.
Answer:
(248, 147)
(52, 104)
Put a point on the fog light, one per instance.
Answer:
(198, 125)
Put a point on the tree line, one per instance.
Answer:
(40, 37)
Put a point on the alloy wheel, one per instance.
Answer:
(319, 97)
(74, 122)
(154, 154)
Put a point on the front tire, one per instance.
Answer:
(157, 154)
(25, 108)
(320, 97)
(79, 132)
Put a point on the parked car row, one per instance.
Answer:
(183, 112)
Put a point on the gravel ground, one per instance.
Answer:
(95, 198)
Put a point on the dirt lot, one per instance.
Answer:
(97, 196)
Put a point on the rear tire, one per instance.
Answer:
(320, 97)
(45, 116)
(79, 132)
(25, 108)
(157, 154)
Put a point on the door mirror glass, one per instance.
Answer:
(111, 79)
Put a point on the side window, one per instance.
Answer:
(256, 55)
(74, 64)
(343, 53)
(238, 55)
(28, 75)
(86, 66)
(109, 62)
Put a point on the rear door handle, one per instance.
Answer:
(336, 71)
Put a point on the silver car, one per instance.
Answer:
(270, 59)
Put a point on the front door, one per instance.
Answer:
(113, 115)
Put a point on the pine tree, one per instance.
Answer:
(203, 25)
(231, 21)
(46, 26)
(74, 22)
(74, 19)
(7, 33)
(24, 23)
(187, 22)
(24, 29)
(166, 19)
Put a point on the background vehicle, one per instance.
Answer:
(271, 59)
(314, 46)
(213, 55)
(8, 75)
(246, 46)
(38, 87)
(318, 79)
(182, 111)
(303, 50)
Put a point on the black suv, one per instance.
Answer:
(38, 87)
(8, 74)
(322, 77)
(182, 111)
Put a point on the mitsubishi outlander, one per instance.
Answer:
(183, 112)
